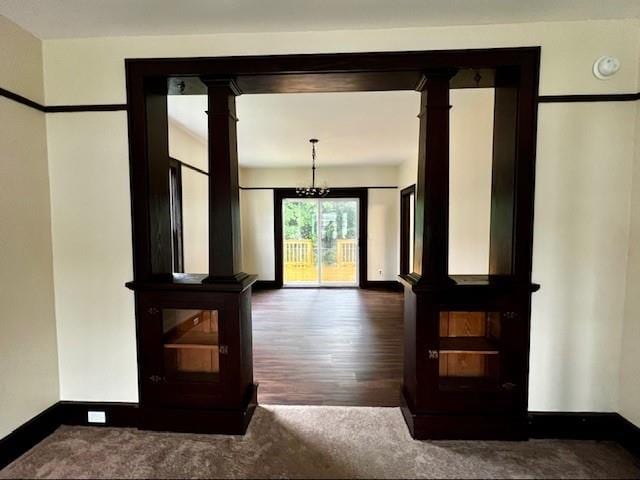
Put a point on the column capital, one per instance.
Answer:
(221, 82)
(434, 74)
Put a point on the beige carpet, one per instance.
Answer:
(312, 442)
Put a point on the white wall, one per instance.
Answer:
(630, 361)
(382, 223)
(581, 234)
(569, 372)
(28, 357)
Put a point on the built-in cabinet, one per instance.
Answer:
(466, 338)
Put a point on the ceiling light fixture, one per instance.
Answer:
(313, 191)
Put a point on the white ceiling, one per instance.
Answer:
(96, 18)
(363, 128)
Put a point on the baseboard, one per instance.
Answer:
(586, 426)
(117, 414)
(572, 425)
(266, 285)
(629, 436)
(391, 285)
(25, 437)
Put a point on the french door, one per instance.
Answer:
(320, 241)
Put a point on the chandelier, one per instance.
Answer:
(313, 191)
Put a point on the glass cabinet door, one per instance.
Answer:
(470, 350)
(191, 347)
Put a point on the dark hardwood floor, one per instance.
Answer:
(328, 346)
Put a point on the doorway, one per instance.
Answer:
(320, 241)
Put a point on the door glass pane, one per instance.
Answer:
(469, 355)
(191, 345)
(299, 222)
(338, 241)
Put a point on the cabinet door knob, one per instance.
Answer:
(433, 354)
(223, 349)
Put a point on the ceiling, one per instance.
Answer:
(361, 128)
(97, 18)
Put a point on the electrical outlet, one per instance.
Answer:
(96, 417)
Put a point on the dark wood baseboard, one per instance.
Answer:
(570, 425)
(390, 285)
(266, 285)
(586, 426)
(118, 414)
(628, 436)
(28, 435)
(574, 425)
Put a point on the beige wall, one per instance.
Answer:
(581, 231)
(92, 255)
(382, 223)
(28, 357)
(630, 362)
(191, 150)
(582, 203)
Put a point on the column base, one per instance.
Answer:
(221, 421)
(430, 426)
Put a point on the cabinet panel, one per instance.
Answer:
(471, 357)
(187, 345)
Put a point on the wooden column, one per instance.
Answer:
(431, 254)
(224, 192)
(157, 150)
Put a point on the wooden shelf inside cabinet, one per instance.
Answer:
(477, 345)
(191, 339)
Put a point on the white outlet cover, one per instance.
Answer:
(96, 417)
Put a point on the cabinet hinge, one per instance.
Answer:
(433, 354)
(510, 315)
(223, 349)
(156, 378)
(152, 311)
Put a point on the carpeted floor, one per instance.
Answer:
(312, 442)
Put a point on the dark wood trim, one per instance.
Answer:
(388, 285)
(118, 414)
(569, 425)
(367, 187)
(177, 229)
(362, 194)
(190, 167)
(22, 100)
(600, 97)
(28, 435)
(586, 426)
(266, 285)
(405, 227)
(112, 107)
